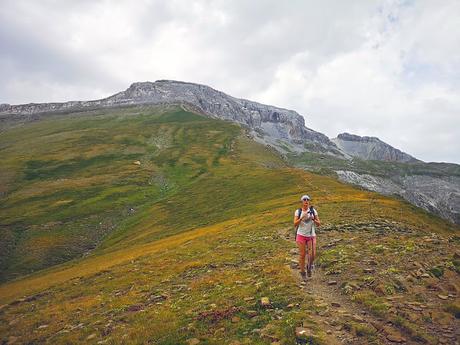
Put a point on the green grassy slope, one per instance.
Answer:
(204, 242)
(326, 164)
(69, 182)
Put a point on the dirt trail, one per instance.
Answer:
(342, 320)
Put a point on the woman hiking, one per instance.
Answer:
(305, 220)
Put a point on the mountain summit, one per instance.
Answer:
(371, 148)
(366, 161)
(269, 124)
(282, 128)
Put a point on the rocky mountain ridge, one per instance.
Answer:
(438, 195)
(283, 129)
(269, 124)
(371, 148)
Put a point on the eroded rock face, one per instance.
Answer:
(375, 183)
(370, 148)
(269, 124)
(439, 195)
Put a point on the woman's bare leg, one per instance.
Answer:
(302, 252)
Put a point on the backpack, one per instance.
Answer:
(299, 213)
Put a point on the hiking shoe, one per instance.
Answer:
(303, 275)
(309, 271)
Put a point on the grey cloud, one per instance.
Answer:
(29, 54)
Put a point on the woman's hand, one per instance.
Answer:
(305, 215)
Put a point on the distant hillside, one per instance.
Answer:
(276, 125)
(71, 182)
(434, 187)
(282, 129)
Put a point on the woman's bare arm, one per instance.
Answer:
(317, 221)
(296, 221)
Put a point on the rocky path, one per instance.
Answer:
(343, 321)
(338, 315)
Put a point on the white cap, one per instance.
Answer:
(304, 197)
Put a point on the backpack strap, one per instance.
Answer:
(312, 210)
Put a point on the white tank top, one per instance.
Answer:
(306, 227)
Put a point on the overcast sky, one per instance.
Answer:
(389, 69)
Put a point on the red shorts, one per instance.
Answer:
(305, 239)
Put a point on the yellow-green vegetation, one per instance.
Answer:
(374, 303)
(72, 181)
(362, 330)
(179, 217)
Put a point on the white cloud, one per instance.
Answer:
(384, 68)
(368, 91)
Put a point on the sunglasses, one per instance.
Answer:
(305, 199)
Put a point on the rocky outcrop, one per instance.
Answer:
(371, 148)
(439, 195)
(269, 124)
(375, 183)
